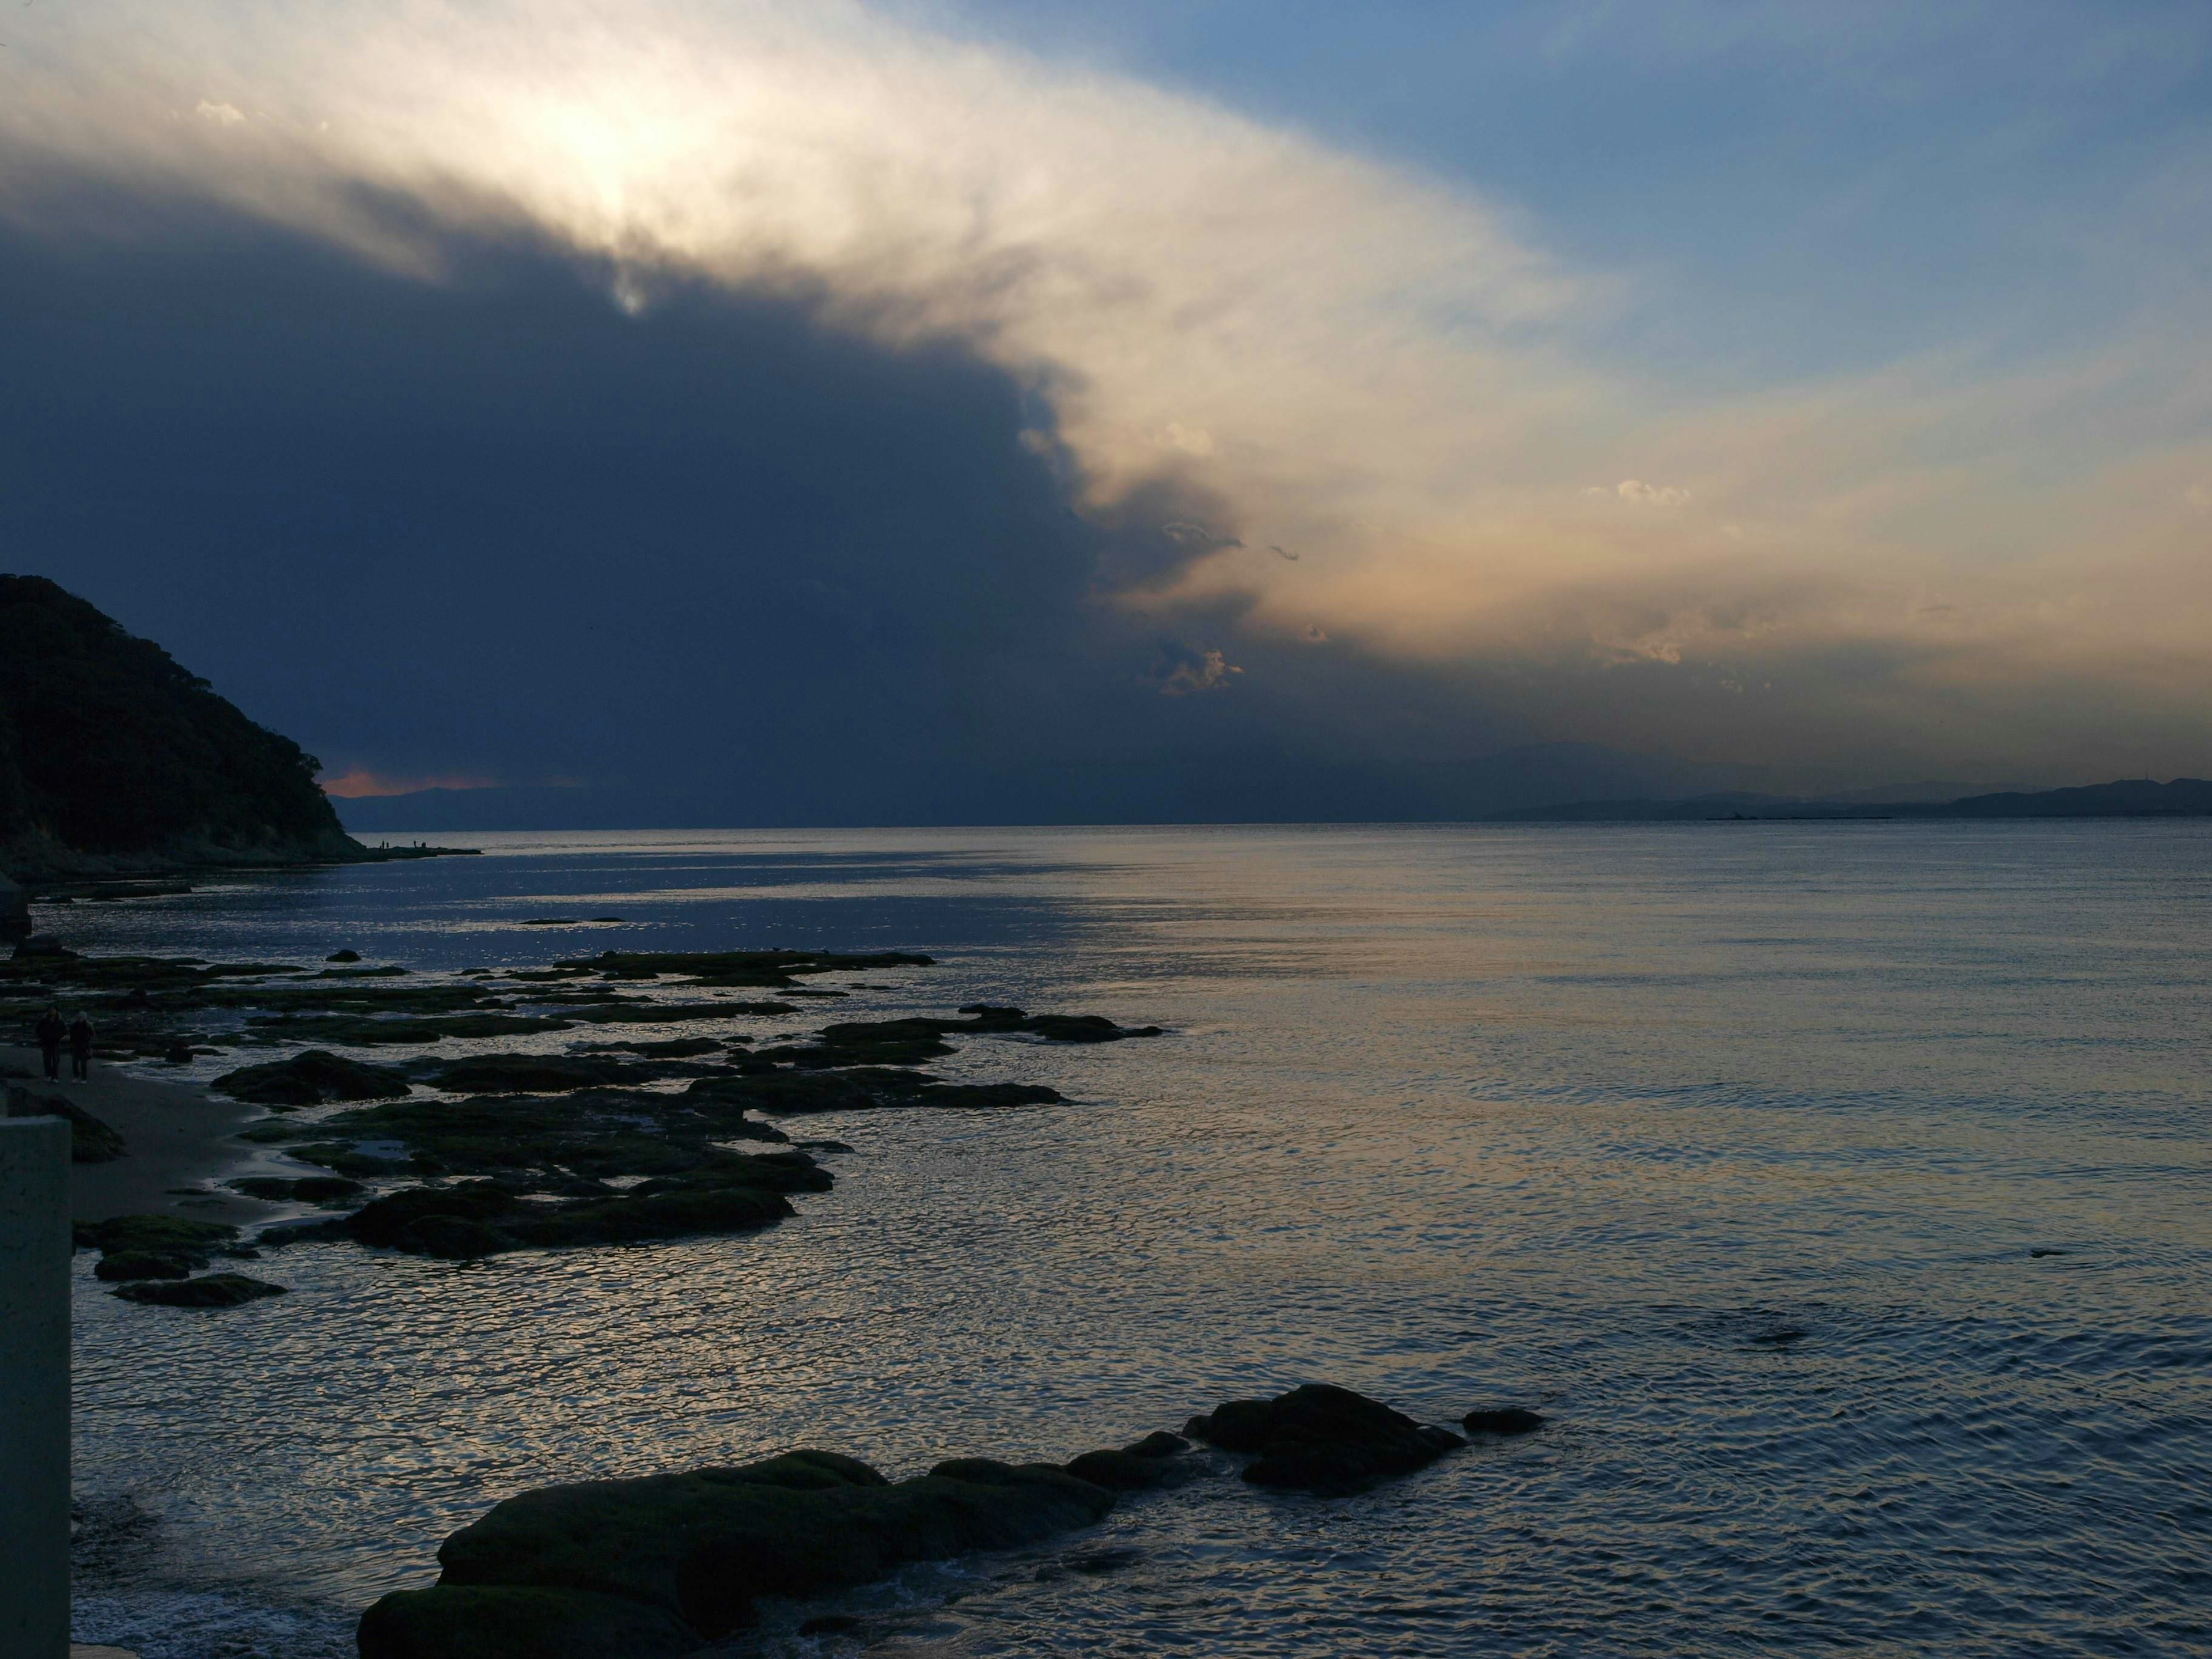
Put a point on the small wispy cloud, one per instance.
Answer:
(223, 115)
(1185, 671)
(1637, 493)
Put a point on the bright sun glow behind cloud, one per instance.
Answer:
(1377, 370)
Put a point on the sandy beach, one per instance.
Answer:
(176, 1137)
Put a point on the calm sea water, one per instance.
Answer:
(1583, 1118)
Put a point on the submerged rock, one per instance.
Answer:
(652, 1567)
(1323, 1439)
(311, 1079)
(732, 1193)
(212, 1291)
(125, 1266)
(156, 1234)
(1505, 1419)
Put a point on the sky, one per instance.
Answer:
(932, 411)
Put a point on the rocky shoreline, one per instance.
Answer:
(662, 1118)
(659, 1567)
(624, 1138)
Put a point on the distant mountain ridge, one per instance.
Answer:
(113, 757)
(2127, 798)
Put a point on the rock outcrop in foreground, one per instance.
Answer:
(113, 757)
(655, 1568)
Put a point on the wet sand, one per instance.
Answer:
(177, 1136)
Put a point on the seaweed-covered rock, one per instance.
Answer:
(310, 1079)
(367, 1030)
(534, 1074)
(156, 1235)
(731, 1194)
(210, 1290)
(1323, 1439)
(768, 970)
(701, 1548)
(303, 1189)
(790, 1093)
(121, 1267)
(1152, 1461)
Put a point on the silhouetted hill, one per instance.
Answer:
(113, 757)
(2134, 797)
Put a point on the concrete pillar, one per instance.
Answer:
(34, 1388)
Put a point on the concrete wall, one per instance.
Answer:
(34, 1388)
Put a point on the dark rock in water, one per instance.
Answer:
(496, 1621)
(42, 945)
(2046, 1251)
(1140, 1468)
(306, 1189)
(734, 1193)
(91, 1140)
(766, 970)
(1778, 1338)
(1323, 1439)
(177, 1054)
(1120, 1471)
(124, 1266)
(918, 1038)
(534, 1074)
(829, 1624)
(701, 1548)
(156, 1234)
(786, 1093)
(1091, 1563)
(310, 1079)
(343, 956)
(1505, 1419)
(214, 1291)
(667, 1048)
(1085, 1028)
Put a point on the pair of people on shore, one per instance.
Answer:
(52, 1033)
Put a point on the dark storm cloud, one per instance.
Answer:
(712, 562)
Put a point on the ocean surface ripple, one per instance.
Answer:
(1840, 1193)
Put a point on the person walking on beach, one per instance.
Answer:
(80, 1035)
(50, 1032)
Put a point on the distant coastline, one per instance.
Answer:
(2138, 797)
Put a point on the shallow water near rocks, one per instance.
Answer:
(1840, 1192)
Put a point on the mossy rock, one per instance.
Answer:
(1323, 1439)
(210, 1290)
(729, 1194)
(122, 1267)
(765, 969)
(704, 1546)
(156, 1234)
(303, 1189)
(500, 1621)
(312, 1079)
(364, 1031)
